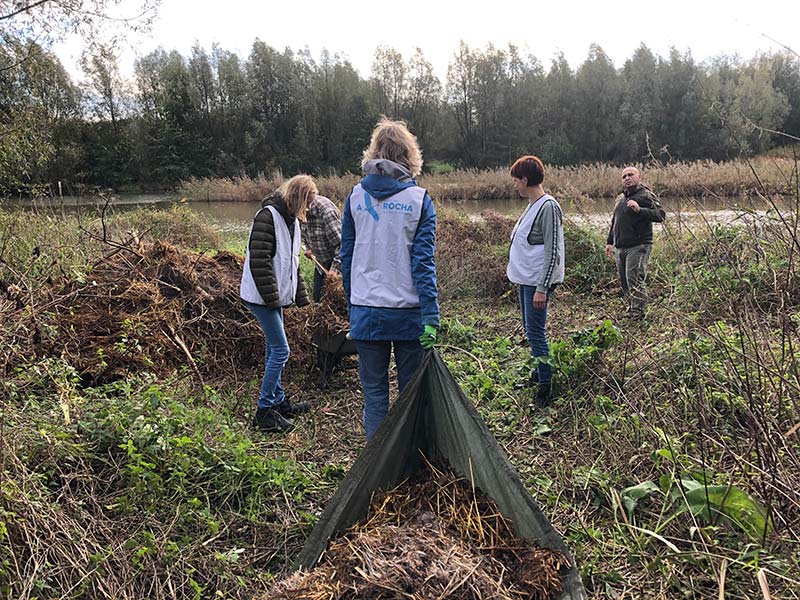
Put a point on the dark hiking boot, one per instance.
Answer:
(270, 420)
(290, 409)
(544, 396)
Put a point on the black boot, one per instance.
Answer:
(544, 396)
(270, 420)
(290, 409)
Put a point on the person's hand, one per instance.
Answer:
(308, 253)
(539, 300)
(609, 251)
(634, 206)
(428, 337)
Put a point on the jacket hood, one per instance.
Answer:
(385, 178)
(275, 200)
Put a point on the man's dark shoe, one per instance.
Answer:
(270, 420)
(290, 409)
(544, 396)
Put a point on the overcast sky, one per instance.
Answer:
(355, 29)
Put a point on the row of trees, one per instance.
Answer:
(218, 114)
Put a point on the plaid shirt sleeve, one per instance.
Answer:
(323, 233)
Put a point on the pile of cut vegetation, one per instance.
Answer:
(157, 308)
(435, 537)
(472, 254)
(329, 315)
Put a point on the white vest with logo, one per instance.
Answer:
(526, 264)
(385, 231)
(284, 264)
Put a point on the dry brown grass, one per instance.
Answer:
(246, 189)
(598, 180)
(471, 254)
(700, 178)
(435, 537)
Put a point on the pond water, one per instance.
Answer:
(237, 216)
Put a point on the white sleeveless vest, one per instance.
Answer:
(526, 262)
(284, 264)
(385, 230)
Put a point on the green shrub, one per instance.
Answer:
(586, 265)
(41, 245)
(179, 226)
(160, 488)
(151, 449)
(729, 266)
(41, 248)
(439, 167)
(570, 357)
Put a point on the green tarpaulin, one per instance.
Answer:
(433, 417)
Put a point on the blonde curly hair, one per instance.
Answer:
(393, 141)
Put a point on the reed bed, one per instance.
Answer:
(598, 180)
(246, 189)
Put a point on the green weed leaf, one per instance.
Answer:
(630, 496)
(732, 504)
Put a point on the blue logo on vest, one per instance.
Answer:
(387, 206)
(370, 208)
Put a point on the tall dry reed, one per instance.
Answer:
(597, 180)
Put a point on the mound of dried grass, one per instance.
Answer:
(246, 189)
(329, 315)
(159, 308)
(419, 561)
(434, 538)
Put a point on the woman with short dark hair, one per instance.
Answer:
(536, 264)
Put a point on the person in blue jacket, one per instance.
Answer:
(388, 269)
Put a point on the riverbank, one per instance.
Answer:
(672, 448)
(766, 175)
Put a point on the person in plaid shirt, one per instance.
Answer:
(322, 237)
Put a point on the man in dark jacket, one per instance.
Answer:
(631, 235)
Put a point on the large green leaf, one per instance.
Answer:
(630, 496)
(732, 503)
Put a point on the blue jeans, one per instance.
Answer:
(373, 369)
(534, 321)
(275, 356)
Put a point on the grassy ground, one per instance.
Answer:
(668, 462)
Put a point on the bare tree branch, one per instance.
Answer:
(24, 9)
(782, 45)
(32, 53)
(768, 130)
